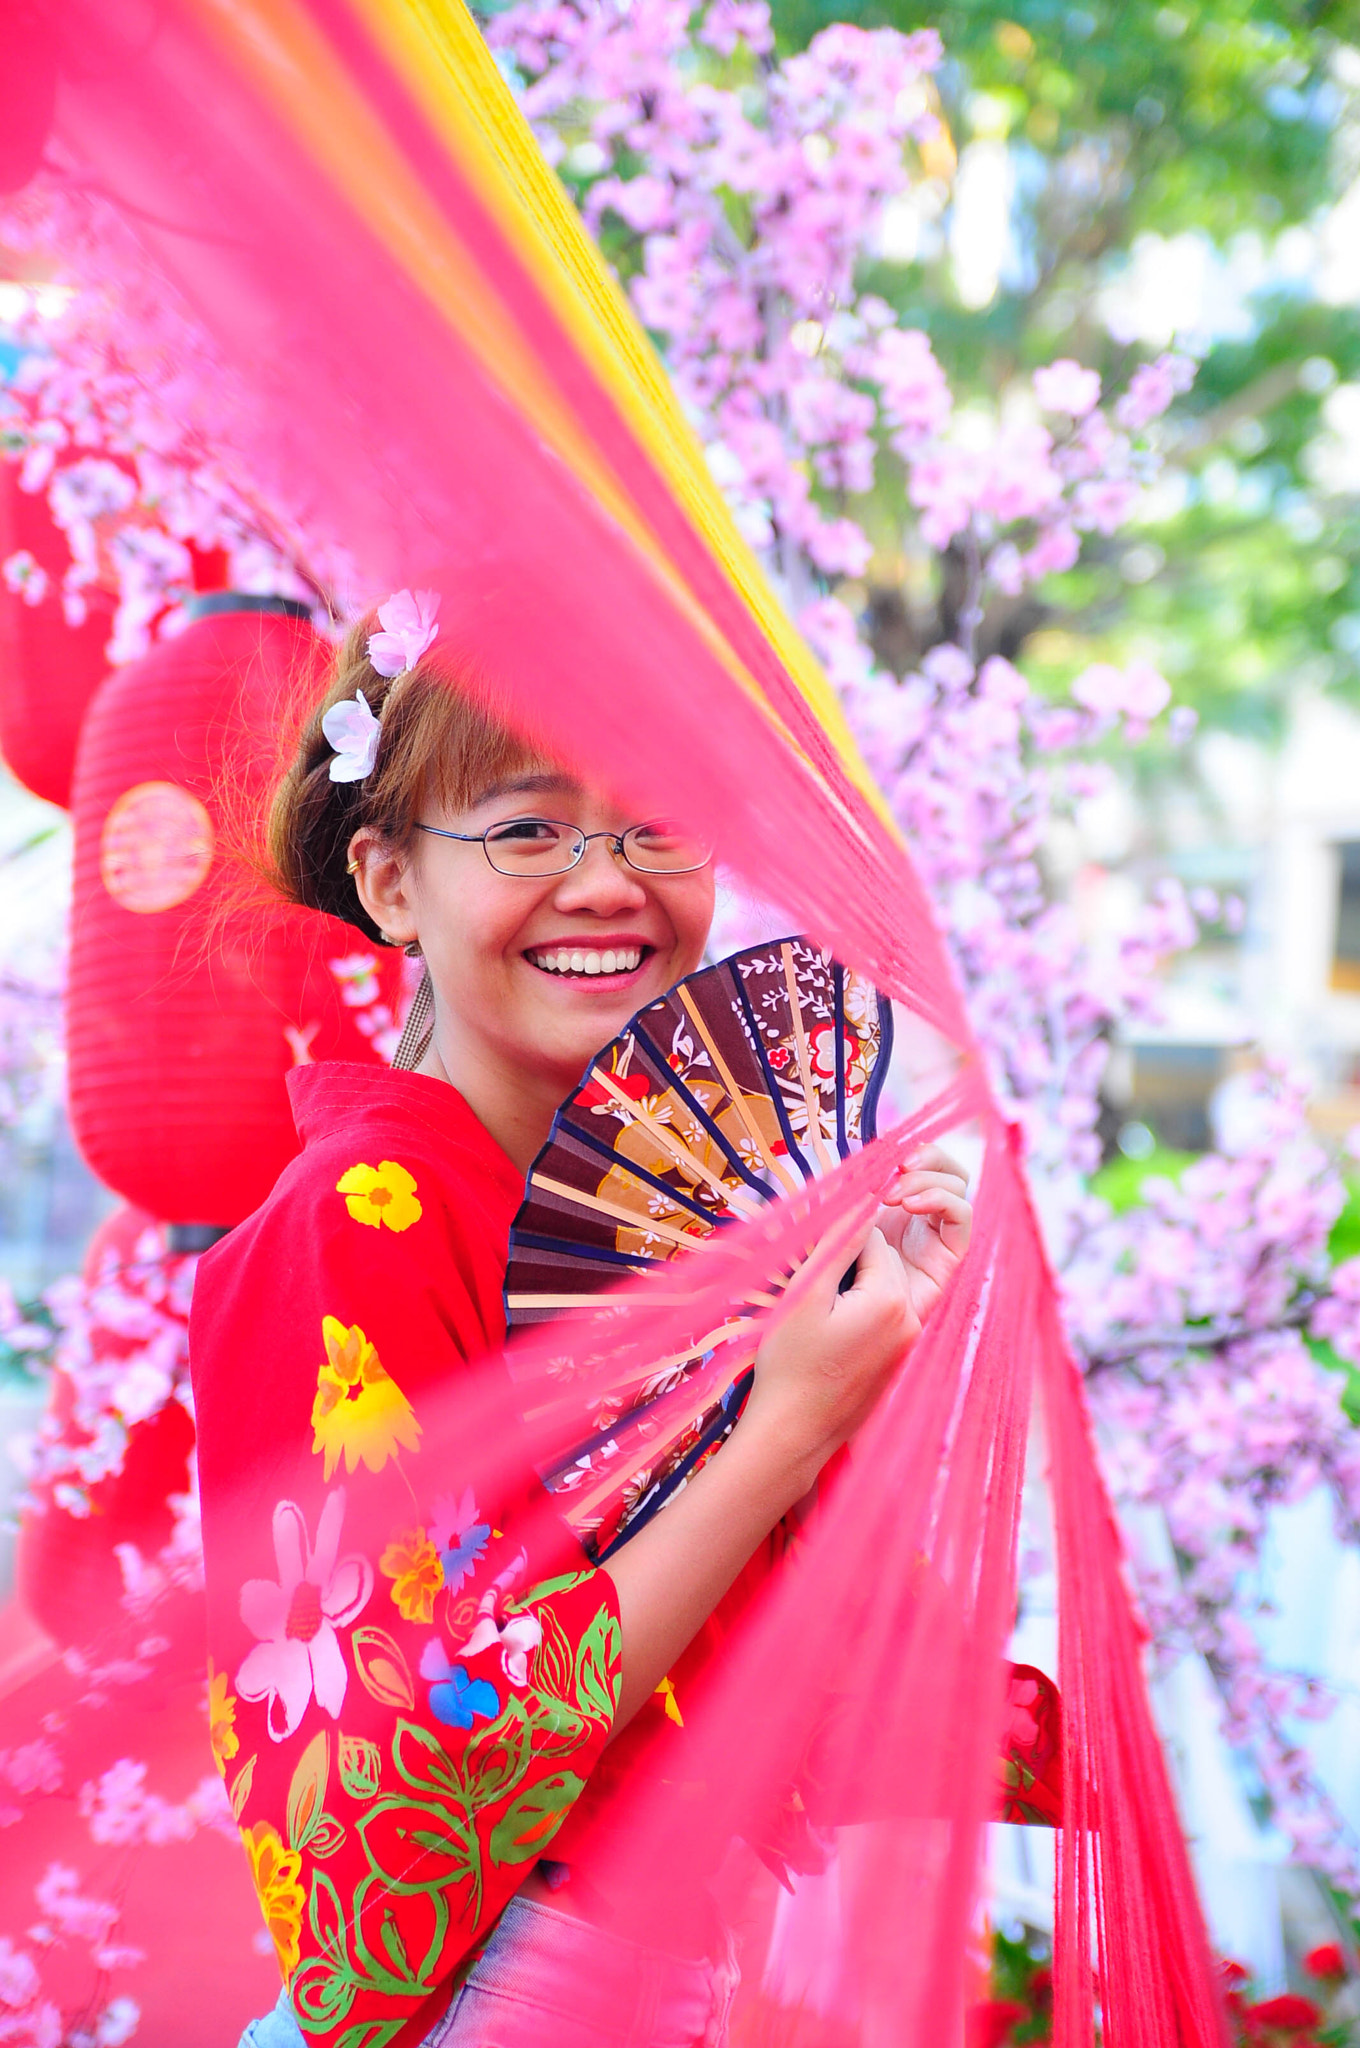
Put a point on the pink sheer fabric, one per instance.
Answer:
(868, 1678)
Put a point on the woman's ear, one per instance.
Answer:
(382, 877)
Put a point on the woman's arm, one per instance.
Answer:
(816, 1378)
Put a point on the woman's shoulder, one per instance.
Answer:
(344, 1107)
(399, 1155)
(393, 1221)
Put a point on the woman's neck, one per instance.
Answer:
(515, 1107)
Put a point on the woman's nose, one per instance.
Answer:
(601, 881)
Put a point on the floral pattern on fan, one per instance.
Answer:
(746, 1080)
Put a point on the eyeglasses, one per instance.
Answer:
(545, 846)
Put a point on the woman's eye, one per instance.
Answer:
(523, 828)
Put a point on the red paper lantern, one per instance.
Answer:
(49, 671)
(184, 1015)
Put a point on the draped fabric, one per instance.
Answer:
(422, 363)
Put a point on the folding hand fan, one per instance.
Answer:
(743, 1082)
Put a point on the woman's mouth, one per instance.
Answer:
(588, 963)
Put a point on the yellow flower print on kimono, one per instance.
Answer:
(221, 1719)
(276, 1871)
(359, 1413)
(384, 1194)
(413, 1563)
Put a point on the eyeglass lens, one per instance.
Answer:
(545, 846)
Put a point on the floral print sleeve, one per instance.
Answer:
(409, 1691)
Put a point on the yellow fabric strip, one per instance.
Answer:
(437, 49)
(279, 48)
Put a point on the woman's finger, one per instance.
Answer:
(934, 1159)
(914, 1183)
(910, 1178)
(946, 1211)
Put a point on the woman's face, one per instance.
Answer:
(522, 967)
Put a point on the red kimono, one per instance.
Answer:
(407, 1693)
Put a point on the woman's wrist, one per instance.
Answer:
(778, 1435)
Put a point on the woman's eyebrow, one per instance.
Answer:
(526, 785)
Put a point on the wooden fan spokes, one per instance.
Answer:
(732, 1091)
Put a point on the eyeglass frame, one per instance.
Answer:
(616, 847)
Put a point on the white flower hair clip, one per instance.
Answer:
(408, 623)
(354, 732)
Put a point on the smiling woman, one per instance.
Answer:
(438, 1633)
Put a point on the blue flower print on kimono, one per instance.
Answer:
(454, 1697)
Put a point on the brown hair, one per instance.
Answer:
(437, 746)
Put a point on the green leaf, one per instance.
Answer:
(550, 1671)
(325, 1916)
(327, 1836)
(422, 1760)
(598, 1668)
(372, 2033)
(396, 1971)
(241, 1784)
(395, 1946)
(556, 1729)
(1334, 1362)
(382, 1667)
(1344, 1241)
(322, 1988)
(546, 1588)
(307, 1792)
(360, 1766)
(497, 1757)
(534, 1818)
(421, 1846)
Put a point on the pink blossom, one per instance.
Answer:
(1104, 505)
(19, 1980)
(69, 1911)
(1064, 386)
(1151, 390)
(1000, 680)
(644, 202)
(1055, 551)
(24, 575)
(1145, 692)
(729, 22)
(948, 666)
(351, 728)
(916, 396)
(407, 622)
(1100, 688)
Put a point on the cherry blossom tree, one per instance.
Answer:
(740, 198)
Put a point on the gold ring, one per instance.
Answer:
(353, 868)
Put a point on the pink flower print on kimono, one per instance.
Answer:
(518, 1635)
(459, 1535)
(299, 1652)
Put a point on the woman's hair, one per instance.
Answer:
(436, 746)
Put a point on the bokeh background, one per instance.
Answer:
(1026, 341)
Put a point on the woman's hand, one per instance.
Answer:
(927, 1219)
(819, 1372)
(817, 1375)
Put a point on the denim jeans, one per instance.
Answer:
(548, 1980)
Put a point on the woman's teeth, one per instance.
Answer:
(574, 961)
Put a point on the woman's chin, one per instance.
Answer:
(571, 1052)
